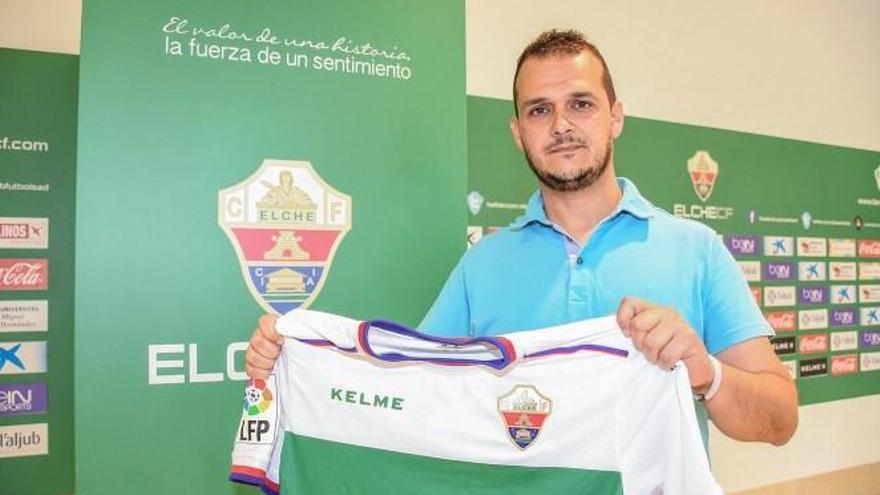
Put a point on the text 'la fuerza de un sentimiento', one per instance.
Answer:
(262, 46)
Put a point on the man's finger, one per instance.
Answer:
(267, 328)
(656, 341)
(628, 309)
(264, 347)
(257, 373)
(257, 364)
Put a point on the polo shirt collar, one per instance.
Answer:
(632, 202)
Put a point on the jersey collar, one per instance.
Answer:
(631, 202)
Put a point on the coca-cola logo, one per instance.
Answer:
(869, 248)
(24, 274)
(782, 320)
(844, 365)
(811, 344)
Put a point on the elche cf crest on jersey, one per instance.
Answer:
(375, 408)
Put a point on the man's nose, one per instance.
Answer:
(561, 125)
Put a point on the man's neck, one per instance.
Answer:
(578, 212)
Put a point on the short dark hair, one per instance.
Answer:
(556, 42)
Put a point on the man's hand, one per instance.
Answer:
(263, 349)
(757, 400)
(665, 337)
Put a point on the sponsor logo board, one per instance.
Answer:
(751, 270)
(24, 274)
(842, 248)
(869, 316)
(869, 248)
(842, 270)
(783, 345)
(18, 358)
(813, 319)
(813, 367)
(779, 270)
(22, 398)
(844, 341)
(869, 293)
(813, 294)
(24, 316)
(743, 244)
(843, 294)
(811, 270)
(844, 365)
(812, 247)
(869, 270)
(779, 296)
(813, 343)
(24, 233)
(843, 317)
(782, 321)
(870, 361)
(24, 440)
(871, 338)
(778, 246)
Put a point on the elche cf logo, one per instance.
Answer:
(703, 171)
(524, 410)
(285, 224)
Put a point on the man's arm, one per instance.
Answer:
(757, 399)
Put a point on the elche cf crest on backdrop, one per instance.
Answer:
(285, 224)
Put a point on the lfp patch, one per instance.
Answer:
(524, 411)
(285, 223)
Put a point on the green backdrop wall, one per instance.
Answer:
(38, 102)
(173, 112)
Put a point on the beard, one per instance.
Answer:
(577, 179)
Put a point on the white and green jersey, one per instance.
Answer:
(374, 408)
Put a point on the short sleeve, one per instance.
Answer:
(730, 313)
(449, 316)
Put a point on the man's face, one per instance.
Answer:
(566, 124)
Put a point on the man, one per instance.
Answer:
(589, 244)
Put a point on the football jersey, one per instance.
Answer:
(375, 408)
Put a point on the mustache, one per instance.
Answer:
(564, 141)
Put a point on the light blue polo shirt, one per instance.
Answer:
(532, 275)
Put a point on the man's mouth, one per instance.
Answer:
(569, 148)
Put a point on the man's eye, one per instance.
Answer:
(537, 111)
(582, 105)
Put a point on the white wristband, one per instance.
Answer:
(716, 381)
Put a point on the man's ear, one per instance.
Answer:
(514, 129)
(616, 119)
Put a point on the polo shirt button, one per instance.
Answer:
(580, 260)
